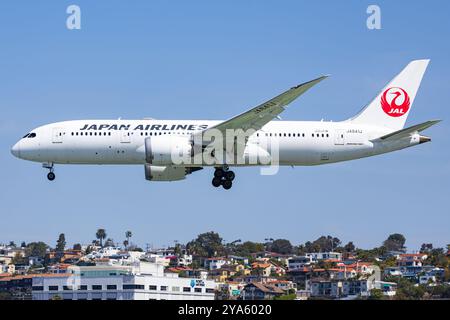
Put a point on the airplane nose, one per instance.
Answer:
(15, 150)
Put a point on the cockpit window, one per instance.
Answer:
(32, 135)
(25, 136)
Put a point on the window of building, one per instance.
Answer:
(164, 288)
(96, 286)
(38, 288)
(198, 289)
(53, 288)
(186, 289)
(176, 289)
(209, 290)
(133, 286)
(152, 287)
(83, 287)
(66, 288)
(111, 287)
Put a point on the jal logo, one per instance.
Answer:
(395, 102)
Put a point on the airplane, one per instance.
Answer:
(257, 137)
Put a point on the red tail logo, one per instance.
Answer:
(395, 102)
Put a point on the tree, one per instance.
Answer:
(109, 242)
(426, 247)
(12, 244)
(23, 244)
(247, 248)
(376, 294)
(125, 243)
(128, 235)
(406, 290)
(36, 249)
(282, 246)
(207, 244)
(349, 247)
(395, 242)
(323, 244)
(101, 235)
(77, 246)
(60, 244)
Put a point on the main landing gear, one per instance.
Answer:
(223, 177)
(51, 175)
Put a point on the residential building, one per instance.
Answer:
(411, 259)
(317, 256)
(298, 262)
(331, 288)
(215, 263)
(261, 291)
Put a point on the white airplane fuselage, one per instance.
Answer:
(300, 143)
(170, 150)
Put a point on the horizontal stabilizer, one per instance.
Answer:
(408, 131)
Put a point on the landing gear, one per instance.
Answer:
(51, 175)
(223, 177)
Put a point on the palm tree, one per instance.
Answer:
(101, 234)
(128, 235)
(125, 243)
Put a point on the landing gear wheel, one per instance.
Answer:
(51, 176)
(227, 184)
(229, 175)
(216, 182)
(219, 173)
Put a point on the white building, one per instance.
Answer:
(137, 281)
(296, 263)
(215, 263)
(317, 256)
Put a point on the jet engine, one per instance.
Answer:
(168, 150)
(167, 173)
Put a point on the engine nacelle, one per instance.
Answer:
(164, 173)
(168, 150)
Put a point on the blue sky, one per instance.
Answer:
(212, 60)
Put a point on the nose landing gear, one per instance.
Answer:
(223, 177)
(51, 175)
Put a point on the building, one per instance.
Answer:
(332, 288)
(126, 281)
(261, 291)
(215, 263)
(411, 259)
(317, 256)
(19, 287)
(296, 263)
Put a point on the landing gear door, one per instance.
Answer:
(125, 137)
(57, 135)
(339, 137)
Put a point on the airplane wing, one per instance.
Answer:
(408, 131)
(257, 117)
